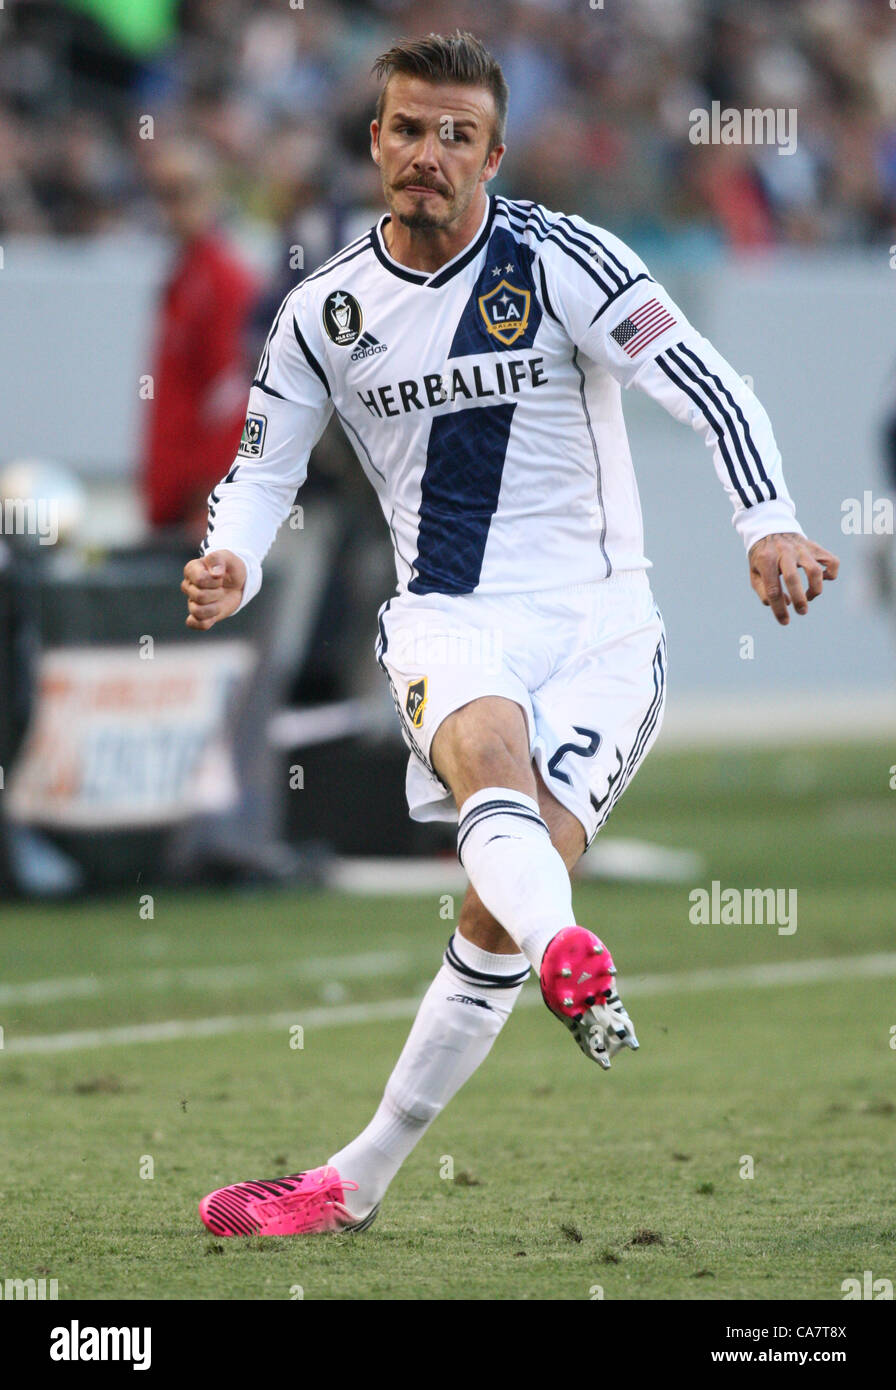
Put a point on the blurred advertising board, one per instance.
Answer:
(122, 738)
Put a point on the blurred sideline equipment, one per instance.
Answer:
(42, 505)
(105, 780)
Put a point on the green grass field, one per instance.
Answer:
(564, 1179)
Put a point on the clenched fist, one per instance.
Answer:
(214, 587)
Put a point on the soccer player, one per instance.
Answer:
(474, 349)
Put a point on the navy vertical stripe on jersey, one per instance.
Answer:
(458, 497)
(465, 455)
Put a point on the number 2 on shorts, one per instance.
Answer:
(593, 744)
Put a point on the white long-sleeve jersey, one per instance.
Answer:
(483, 401)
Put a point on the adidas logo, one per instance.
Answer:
(468, 999)
(368, 346)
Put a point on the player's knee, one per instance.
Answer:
(483, 752)
(495, 763)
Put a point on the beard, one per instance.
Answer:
(420, 220)
(423, 217)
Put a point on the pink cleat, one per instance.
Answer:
(577, 984)
(302, 1204)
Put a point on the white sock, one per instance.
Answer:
(462, 1013)
(506, 849)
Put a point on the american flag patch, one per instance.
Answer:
(640, 328)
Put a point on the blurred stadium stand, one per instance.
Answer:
(783, 261)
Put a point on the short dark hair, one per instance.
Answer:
(459, 57)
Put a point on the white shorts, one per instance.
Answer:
(587, 664)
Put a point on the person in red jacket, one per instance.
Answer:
(199, 370)
(201, 378)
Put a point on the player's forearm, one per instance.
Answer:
(244, 516)
(696, 385)
(285, 418)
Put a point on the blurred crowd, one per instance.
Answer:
(601, 92)
(237, 130)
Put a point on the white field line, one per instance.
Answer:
(833, 968)
(369, 965)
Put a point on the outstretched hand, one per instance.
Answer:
(775, 563)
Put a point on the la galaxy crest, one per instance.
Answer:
(505, 310)
(416, 701)
(342, 318)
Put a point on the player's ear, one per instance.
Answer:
(492, 164)
(375, 141)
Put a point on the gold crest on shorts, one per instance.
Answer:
(416, 701)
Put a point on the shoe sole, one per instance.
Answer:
(361, 1225)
